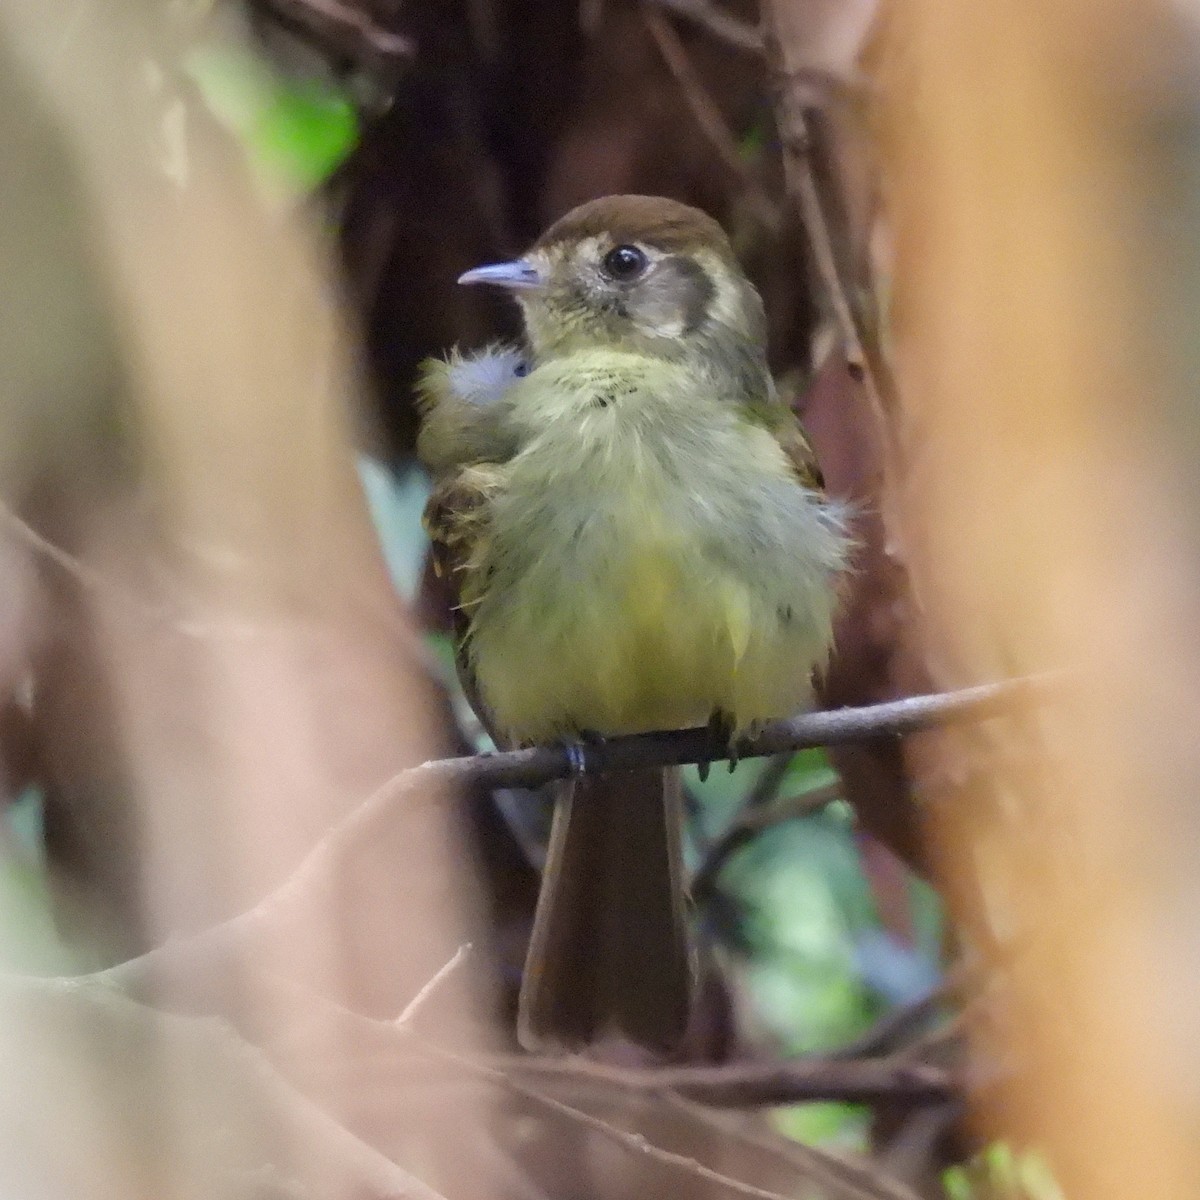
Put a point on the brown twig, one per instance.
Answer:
(742, 1085)
(719, 23)
(811, 175)
(853, 1176)
(894, 718)
(802, 145)
(540, 764)
(899, 1025)
(770, 780)
(398, 1050)
(633, 1143)
(761, 1084)
(708, 117)
(344, 24)
(499, 1071)
(748, 824)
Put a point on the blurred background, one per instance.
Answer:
(242, 952)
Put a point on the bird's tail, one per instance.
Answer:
(610, 954)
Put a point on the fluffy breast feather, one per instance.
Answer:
(652, 558)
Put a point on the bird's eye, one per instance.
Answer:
(521, 369)
(625, 262)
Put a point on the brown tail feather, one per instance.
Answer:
(610, 953)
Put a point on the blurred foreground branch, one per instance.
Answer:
(393, 1056)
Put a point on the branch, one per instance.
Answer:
(818, 1162)
(770, 780)
(891, 1032)
(447, 969)
(345, 26)
(219, 1089)
(719, 23)
(759, 1085)
(855, 1176)
(749, 823)
(832, 727)
(811, 174)
(708, 117)
(392, 1055)
(537, 765)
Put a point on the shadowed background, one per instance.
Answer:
(229, 234)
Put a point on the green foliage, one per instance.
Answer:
(833, 1125)
(1001, 1173)
(296, 131)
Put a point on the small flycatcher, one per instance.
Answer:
(638, 533)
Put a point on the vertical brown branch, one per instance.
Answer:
(812, 175)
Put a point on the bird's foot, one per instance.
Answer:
(576, 750)
(721, 743)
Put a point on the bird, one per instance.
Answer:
(640, 540)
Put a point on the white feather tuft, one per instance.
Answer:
(482, 378)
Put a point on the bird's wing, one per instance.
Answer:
(457, 518)
(800, 453)
(457, 513)
(773, 414)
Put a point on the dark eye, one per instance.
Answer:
(521, 369)
(625, 262)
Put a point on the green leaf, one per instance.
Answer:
(845, 1126)
(296, 131)
(957, 1182)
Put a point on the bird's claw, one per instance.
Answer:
(721, 743)
(576, 758)
(576, 751)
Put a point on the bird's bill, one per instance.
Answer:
(517, 276)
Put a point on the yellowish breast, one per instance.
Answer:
(646, 568)
(659, 642)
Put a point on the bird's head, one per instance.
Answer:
(631, 272)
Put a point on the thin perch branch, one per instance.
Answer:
(537, 765)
